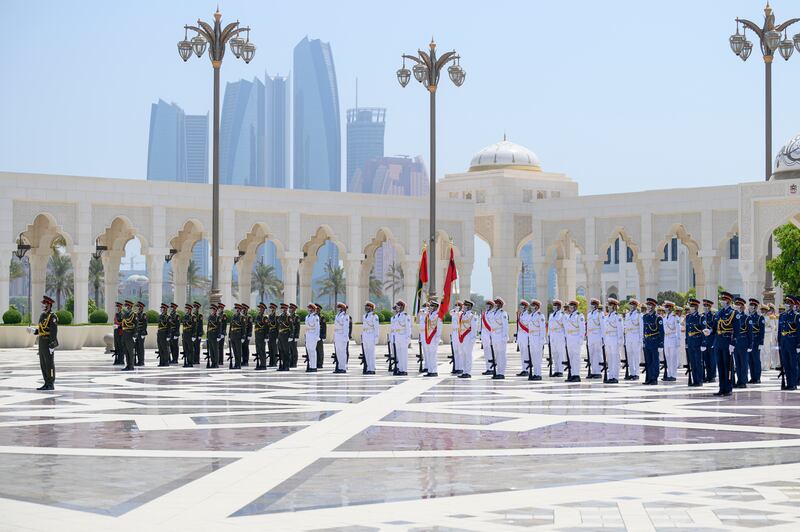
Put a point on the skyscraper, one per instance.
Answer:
(317, 135)
(276, 107)
(365, 129)
(399, 175)
(178, 145)
(178, 151)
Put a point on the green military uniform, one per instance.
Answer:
(119, 349)
(141, 332)
(285, 330)
(47, 332)
(295, 334)
(272, 336)
(236, 333)
(260, 329)
(222, 331)
(128, 333)
(247, 333)
(187, 337)
(198, 338)
(174, 333)
(212, 339)
(161, 337)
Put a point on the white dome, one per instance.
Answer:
(505, 154)
(787, 162)
(136, 278)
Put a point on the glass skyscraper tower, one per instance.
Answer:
(365, 128)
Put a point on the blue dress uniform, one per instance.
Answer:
(722, 346)
(695, 324)
(757, 325)
(709, 359)
(742, 340)
(653, 326)
(787, 343)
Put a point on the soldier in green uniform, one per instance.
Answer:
(198, 332)
(141, 332)
(272, 335)
(285, 330)
(187, 336)
(128, 334)
(119, 349)
(295, 333)
(222, 330)
(260, 329)
(236, 335)
(212, 338)
(162, 335)
(247, 333)
(174, 332)
(47, 331)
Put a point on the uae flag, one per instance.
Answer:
(449, 279)
(422, 278)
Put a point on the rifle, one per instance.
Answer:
(362, 357)
(306, 357)
(529, 362)
(663, 364)
(688, 367)
(605, 364)
(420, 358)
(732, 360)
(549, 357)
(389, 357)
(625, 351)
(588, 360)
(230, 355)
(335, 358)
(782, 375)
(452, 356)
(567, 363)
(494, 360)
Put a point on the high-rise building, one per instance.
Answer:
(178, 151)
(317, 135)
(365, 129)
(178, 145)
(399, 175)
(254, 133)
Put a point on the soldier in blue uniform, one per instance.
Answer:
(707, 348)
(723, 344)
(694, 342)
(742, 340)
(787, 343)
(756, 325)
(653, 326)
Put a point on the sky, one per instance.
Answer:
(619, 95)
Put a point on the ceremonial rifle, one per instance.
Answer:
(605, 364)
(493, 361)
(549, 357)
(452, 356)
(389, 357)
(567, 363)
(363, 357)
(688, 367)
(625, 352)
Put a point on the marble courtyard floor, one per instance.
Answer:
(201, 450)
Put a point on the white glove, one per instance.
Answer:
(193, 338)
(116, 326)
(242, 340)
(707, 332)
(777, 348)
(660, 351)
(52, 351)
(135, 337)
(702, 349)
(731, 349)
(31, 330)
(760, 347)
(749, 350)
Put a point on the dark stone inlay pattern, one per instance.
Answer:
(336, 482)
(108, 485)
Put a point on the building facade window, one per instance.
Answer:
(541, 194)
(734, 248)
(480, 196)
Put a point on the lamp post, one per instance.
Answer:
(769, 37)
(20, 252)
(215, 38)
(427, 69)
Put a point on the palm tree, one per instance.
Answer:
(17, 269)
(60, 278)
(265, 281)
(333, 284)
(394, 279)
(194, 279)
(375, 286)
(96, 277)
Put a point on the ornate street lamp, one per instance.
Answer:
(769, 36)
(426, 70)
(215, 39)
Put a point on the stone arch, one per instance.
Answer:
(310, 249)
(622, 233)
(117, 234)
(185, 238)
(680, 231)
(383, 236)
(41, 232)
(259, 233)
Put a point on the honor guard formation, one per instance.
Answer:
(729, 345)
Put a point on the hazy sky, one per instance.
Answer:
(620, 95)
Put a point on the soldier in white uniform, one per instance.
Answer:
(467, 331)
(769, 355)
(431, 332)
(400, 329)
(682, 342)
(486, 336)
(594, 335)
(672, 341)
(341, 337)
(369, 336)
(556, 338)
(312, 337)
(455, 313)
(499, 337)
(575, 333)
(612, 340)
(523, 326)
(537, 335)
(422, 315)
(634, 333)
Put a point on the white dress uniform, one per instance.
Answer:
(672, 343)
(400, 329)
(458, 363)
(769, 355)
(421, 317)
(575, 332)
(682, 346)
(634, 333)
(612, 340)
(431, 332)
(499, 338)
(341, 337)
(369, 337)
(537, 335)
(467, 332)
(555, 331)
(523, 338)
(312, 337)
(594, 334)
(486, 337)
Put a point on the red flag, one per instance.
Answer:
(423, 266)
(449, 279)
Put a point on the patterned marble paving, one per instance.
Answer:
(177, 449)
